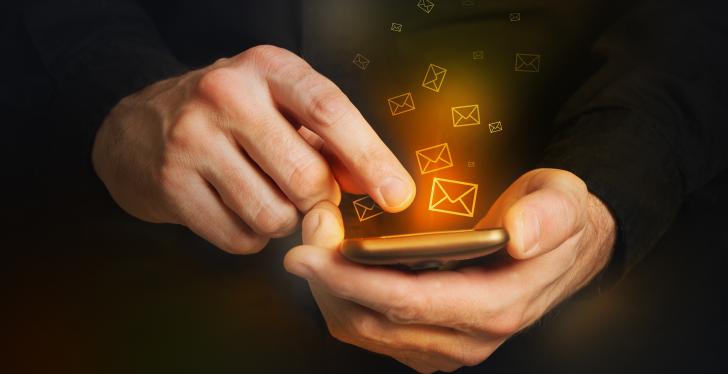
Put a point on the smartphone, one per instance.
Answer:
(429, 250)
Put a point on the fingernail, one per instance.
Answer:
(531, 231)
(395, 192)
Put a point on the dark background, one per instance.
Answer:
(86, 288)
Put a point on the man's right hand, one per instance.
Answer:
(235, 150)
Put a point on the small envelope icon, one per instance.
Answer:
(495, 127)
(401, 104)
(434, 77)
(514, 17)
(478, 55)
(467, 115)
(361, 62)
(396, 27)
(434, 158)
(366, 208)
(528, 63)
(453, 197)
(425, 5)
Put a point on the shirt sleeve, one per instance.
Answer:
(97, 52)
(649, 127)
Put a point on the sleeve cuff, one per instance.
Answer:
(621, 158)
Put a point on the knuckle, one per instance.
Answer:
(309, 179)
(181, 135)
(505, 324)
(339, 333)
(475, 357)
(467, 354)
(327, 105)
(187, 131)
(221, 61)
(239, 242)
(274, 222)
(268, 57)
(167, 176)
(571, 178)
(216, 83)
(366, 327)
(405, 308)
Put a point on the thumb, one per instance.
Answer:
(550, 212)
(323, 226)
(322, 231)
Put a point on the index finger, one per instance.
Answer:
(323, 108)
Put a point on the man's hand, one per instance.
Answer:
(561, 237)
(235, 150)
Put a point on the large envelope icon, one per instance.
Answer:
(426, 5)
(434, 158)
(453, 197)
(366, 208)
(401, 104)
(528, 63)
(434, 77)
(361, 62)
(466, 115)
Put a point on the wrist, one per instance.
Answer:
(595, 246)
(599, 240)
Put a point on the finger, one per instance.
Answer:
(321, 106)
(425, 348)
(548, 207)
(269, 139)
(323, 227)
(204, 213)
(243, 189)
(343, 176)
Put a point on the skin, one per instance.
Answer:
(561, 237)
(236, 150)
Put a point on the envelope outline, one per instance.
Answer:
(495, 127)
(479, 55)
(397, 27)
(366, 208)
(426, 5)
(528, 62)
(434, 78)
(514, 17)
(434, 158)
(468, 210)
(401, 104)
(461, 119)
(361, 62)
